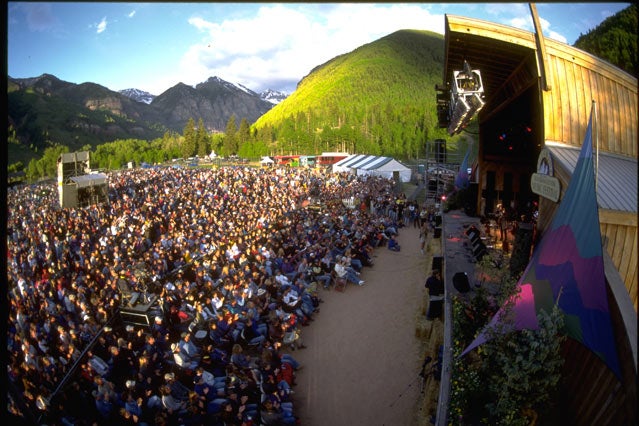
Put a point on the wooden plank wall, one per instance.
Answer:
(619, 239)
(591, 393)
(576, 79)
(621, 244)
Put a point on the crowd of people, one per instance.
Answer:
(234, 258)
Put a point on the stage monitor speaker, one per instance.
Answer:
(438, 263)
(460, 282)
(479, 250)
(472, 232)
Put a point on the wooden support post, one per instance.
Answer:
(541, 50)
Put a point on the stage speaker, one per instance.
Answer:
(438, 263)
(460, 282)
(435, 309)
(479, 250)
(437, 233)
(522, 248)
(473, 233)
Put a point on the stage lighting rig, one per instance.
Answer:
(466, 98)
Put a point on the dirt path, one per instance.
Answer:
(363, 358)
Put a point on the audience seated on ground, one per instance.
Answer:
(212, 244)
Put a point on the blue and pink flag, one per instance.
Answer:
(567, 269)
(462, 180)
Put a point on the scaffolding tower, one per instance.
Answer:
(440, 171)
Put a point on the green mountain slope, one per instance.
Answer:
(378, 99)
(45, 112)
(615, 40)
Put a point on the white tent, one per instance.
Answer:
(344, 164)
(266, 161)
(365, 165)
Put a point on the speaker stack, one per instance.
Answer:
(477, 246)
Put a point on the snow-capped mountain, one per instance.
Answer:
(273, 96)
(138, 95)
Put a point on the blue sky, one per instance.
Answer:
(154, 46)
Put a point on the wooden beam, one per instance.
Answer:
(613, 217)
(624, 303)
(541, 49)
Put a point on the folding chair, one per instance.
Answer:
(340, 283)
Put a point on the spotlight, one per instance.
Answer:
(466, 98)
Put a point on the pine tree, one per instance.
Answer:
(201, 138)
(189, 143)
(230, 137)
(243, 134)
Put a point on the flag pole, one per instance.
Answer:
(561, 290)
(596, 136)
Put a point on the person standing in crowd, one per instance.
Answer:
(423, 236)
(435, 287)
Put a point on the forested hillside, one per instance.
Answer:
(615, 40)
(377, 99)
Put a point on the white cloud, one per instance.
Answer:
(131, 14)
(523, 19)
(526, 23)
(284, 42)
(101, 27)
(556, 36)
(522, 23)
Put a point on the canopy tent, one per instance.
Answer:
(266, 161)
(371, 165)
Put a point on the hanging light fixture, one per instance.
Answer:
(466, 98)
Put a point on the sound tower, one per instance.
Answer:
(440, 149)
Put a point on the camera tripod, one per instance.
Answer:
(422, 376)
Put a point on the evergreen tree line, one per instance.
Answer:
(373, 130)
(615, 40)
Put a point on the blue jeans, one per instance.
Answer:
(326, 279)
(257, 340)
(352, 277)
(215, 406)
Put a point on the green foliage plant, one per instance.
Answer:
(522, 369)
(513, 373)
